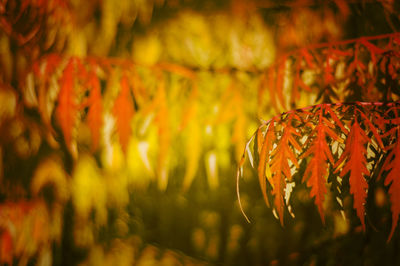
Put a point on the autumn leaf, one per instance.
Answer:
(124, 111)
(162, 120)
(95, 114)
(193, 149)
(67, 109)
(264, 148)
(280, 168)
(317, 169)
(392, 164)
(355, 156)
(6, 247)
(89, 190)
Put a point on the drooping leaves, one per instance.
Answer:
(331, 72)
(339, 140)
(320, 141)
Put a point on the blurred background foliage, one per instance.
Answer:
(167, 195)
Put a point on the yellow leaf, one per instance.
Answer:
(193, 152)
(89, 190)
(141, 159)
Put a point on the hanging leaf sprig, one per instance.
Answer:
(332, 139)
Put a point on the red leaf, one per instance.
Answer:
(316, 170)
(6, 251)
(95, 121)
(315, 173)
(67, 109)
(373, 130)
(280, 166)
(392, 163)
(124, 111)
(355, 153)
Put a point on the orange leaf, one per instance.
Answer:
(373, 130)
(124, 110)
(392, 163)
(95, 110)
(316, 170)
(280, 165)
(6, 251)
(259, 139)
(67, 109)
(355, 153)
(279, 184)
